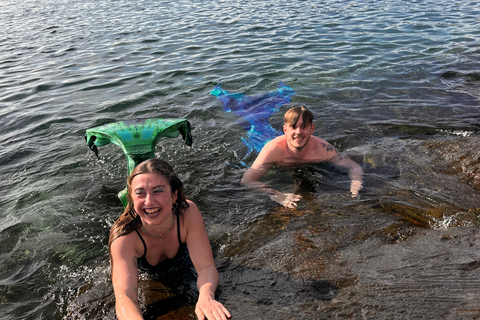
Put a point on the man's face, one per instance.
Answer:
(298, 135)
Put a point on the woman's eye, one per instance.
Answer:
(158, 190)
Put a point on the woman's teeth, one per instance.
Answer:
(151, 211)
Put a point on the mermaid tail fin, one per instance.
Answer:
(137, 139)
(256, 110)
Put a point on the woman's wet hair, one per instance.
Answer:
(130, 220)
(292, 115)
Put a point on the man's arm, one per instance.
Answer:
(355, 172)
(250, 179)
(259, 168)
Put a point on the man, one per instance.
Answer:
(298, 146)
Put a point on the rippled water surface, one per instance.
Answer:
(394, 84)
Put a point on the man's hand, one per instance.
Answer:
(355, 187)
(288, 200)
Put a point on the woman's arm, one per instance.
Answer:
(125, 278)
(200, 252)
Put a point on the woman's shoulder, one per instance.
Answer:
(191, 204)
(192, 210)
(192, 217)
(127, 244)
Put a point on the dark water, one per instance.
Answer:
(394, 84)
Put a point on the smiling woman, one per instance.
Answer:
(392, 84)
(154, 202)
(145, 238)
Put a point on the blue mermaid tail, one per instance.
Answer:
(255, 110)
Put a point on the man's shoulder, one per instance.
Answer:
(279, 139)
(276, 144)
(322, 149)
(320, 142)
(272, 152)
(316, 139)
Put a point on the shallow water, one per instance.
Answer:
(394, 84)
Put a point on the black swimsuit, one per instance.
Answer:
(163, 268)
(177, 273)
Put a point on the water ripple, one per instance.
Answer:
(382, 78)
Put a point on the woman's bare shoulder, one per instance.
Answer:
(127, 244)
(192, 211)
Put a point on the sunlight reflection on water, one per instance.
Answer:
(393, 84)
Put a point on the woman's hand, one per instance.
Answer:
(200, 252)
(208, 308)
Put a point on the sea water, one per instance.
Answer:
(393, 84)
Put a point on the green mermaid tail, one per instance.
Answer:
(137, 139)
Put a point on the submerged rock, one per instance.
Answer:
(461, 156)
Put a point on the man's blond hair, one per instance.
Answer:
(292, 115)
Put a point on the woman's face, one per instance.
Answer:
(152, 198)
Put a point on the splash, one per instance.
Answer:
(256, 110)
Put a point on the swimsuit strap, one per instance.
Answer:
(144, 244)
(178, 229)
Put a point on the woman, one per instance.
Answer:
(153, 234)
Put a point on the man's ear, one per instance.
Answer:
(313, 128)
(284, 128)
